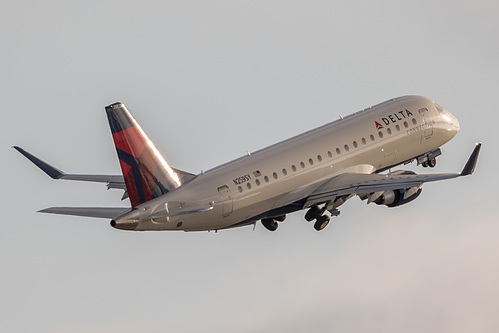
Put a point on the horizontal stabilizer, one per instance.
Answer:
(99, 212)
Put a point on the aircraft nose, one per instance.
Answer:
(450, 119)
(455, 122)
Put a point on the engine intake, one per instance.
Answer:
(394, 198)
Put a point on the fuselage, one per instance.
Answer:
(277, 178)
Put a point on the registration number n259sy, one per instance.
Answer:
(242, 179)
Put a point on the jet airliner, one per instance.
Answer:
(316, 171)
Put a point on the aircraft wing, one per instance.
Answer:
(99, 212)
(112, 181)
(359, 184)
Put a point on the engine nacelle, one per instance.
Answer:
(394, 198)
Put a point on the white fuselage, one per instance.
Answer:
(281, 176)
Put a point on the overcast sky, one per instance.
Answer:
(208, 80)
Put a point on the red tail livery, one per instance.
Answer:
(145, 171)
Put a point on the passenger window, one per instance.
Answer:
(249, 186)
(389, 131)
(397, 127)
(414, 121)
(364, 141)
(257, 182)
(293, 168)
(338, 151)
(406, 125)
(329, 154)
(355, 145)
(310, 161)
(346, 148)
(380, 134)
(319, 158)
(371, 137)
(240, 189)
(284, 172)
(266, 179)
(302, 165)
(274, 175)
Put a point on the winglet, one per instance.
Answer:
(47, 168)
(470, 165)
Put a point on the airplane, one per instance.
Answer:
(316, 171)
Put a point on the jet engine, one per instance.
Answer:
(394, 198)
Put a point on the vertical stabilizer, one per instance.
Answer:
(146, 173)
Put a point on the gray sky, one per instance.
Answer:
(208, 80)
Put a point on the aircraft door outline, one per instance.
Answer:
(227, 206)
(428, 125)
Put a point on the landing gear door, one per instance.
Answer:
(226, 199)
(427, 125)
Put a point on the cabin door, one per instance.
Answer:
(226, 200)
(427, 125)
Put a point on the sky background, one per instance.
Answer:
(208, 80)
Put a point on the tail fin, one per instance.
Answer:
(146, 173)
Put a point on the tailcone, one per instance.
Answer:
(128, 221)
(124, 225)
